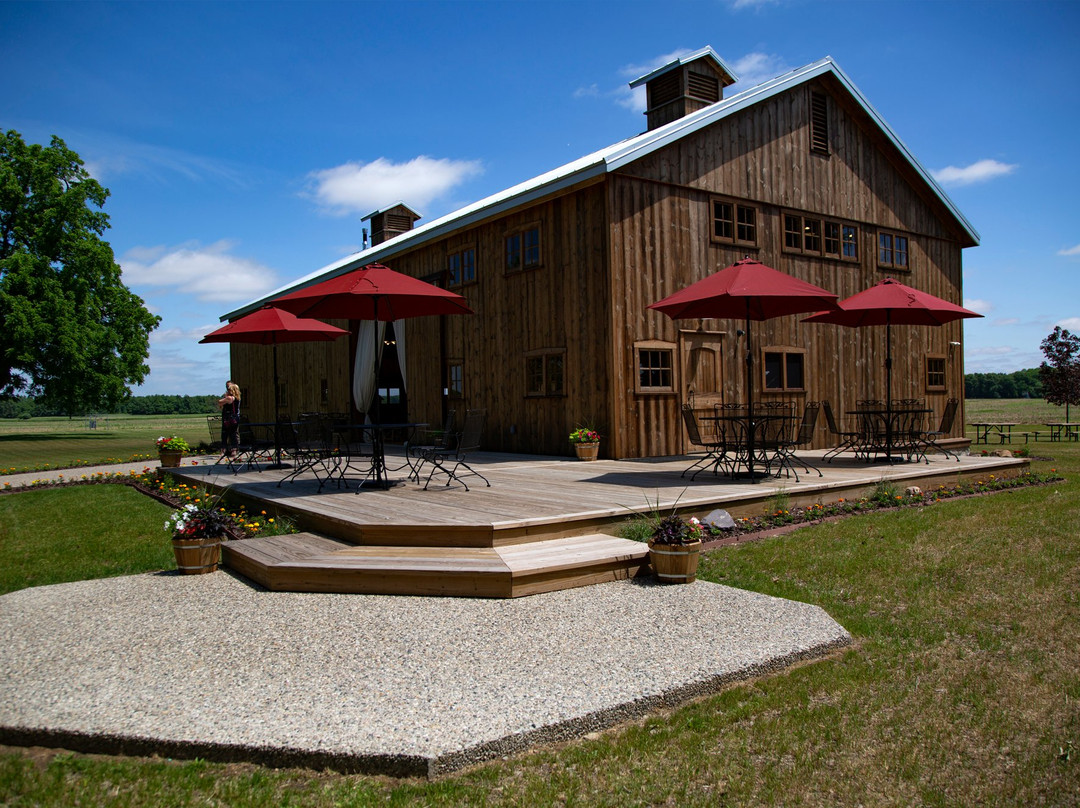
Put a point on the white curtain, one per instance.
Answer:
(369, 338)
(399, 337)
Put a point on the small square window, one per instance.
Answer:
(655, 369)
(784, 370)
(544, 373)
(935, 373)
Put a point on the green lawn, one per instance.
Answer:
(961, 688)
(49, 443)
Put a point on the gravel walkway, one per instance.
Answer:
(211, 666)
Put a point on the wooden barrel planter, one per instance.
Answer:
(170, 458)
(587, 451)
(675, 563)
(197, 556)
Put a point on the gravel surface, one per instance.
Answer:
(209, 665)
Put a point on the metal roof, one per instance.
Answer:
(682, 60)
(609, 159)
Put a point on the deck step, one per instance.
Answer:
(307, 562)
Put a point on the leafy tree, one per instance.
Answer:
(73, 335)
(1060, 373)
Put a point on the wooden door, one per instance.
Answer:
(702, 371)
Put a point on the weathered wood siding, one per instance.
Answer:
(660, 242)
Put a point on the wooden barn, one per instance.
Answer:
(800, 173)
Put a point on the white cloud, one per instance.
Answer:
(754, 68)
(739, 5)
(635, 99)
(981, 171)
(1070, 324)
(109, 156)
(1070, 251)
(208, 273)
(364, 187)
(979, 306)
(592, 91)
(1006, 321)
(990, 350)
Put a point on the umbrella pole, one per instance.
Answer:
(888, 386)
(277, 431)
(751, 426)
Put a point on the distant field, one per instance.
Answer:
(1027, 411)
(61, 442)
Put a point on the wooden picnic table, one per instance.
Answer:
(1064, 430)
(1002, 429)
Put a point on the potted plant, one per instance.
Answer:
(586, 443)
(170, 450)
(674, 548)
(197, 532)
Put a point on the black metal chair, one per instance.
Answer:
(929, 439)
(253, 448)
(308, 442)
(847, 439)
(467, 440)
(786, 456)
(429, 441)
(715, 449)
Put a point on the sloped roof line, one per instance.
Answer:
(682, 60)
(609, 159)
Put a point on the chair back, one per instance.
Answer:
(830, 419)
(692, 429)
(213, 423)
(949, 415)
(446, 439)
(472, 431)
(809, 422)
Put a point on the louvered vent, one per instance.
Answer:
(704, 88)
(664, 90)
(819, 122)
(398, 222)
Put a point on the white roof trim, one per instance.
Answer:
(605, 161)
(682, 60)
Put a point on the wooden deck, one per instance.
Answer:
(545, 523)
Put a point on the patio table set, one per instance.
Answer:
(329, 448)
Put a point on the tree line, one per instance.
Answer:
(27, 407)
(1019, 384)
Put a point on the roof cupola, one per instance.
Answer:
(684, 85)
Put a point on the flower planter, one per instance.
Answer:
(587, 451)
(675, 563)
(170, 458)
(197, 556)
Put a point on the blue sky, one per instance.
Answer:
(243, 142)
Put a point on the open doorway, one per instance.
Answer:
(393, 400)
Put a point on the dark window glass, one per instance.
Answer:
(532, 248)
(456, 379)
(774, 371)
(513, 251)
(747, 224)
(812, 235)
(793, 232)
(723, 221)
(453, 269)
(794, 363)
(851, 241)
(655, 368)
(554, 369)
(468, 266)
(900, 252)
(534, 371)
(884, 249)
(832, 238)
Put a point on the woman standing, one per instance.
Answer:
(230, 419)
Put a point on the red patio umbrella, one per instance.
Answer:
(374, 292)
(272, 326)
(891, 303)
(746, 290)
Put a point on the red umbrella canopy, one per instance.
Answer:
(272, 326)
(374, 292)
(892, 303)
(747, 289)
